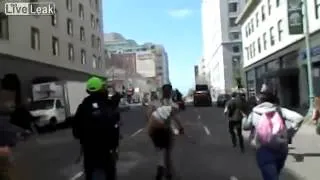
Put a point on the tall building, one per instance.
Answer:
(151, 60)
(274, 49)
(64, 46)
(222, 43)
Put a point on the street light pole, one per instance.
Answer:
(308, 55)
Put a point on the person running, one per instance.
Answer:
(96, 126)
(234, 113)
(161, 133)
(272, 125)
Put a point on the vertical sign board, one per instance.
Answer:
(295, 17)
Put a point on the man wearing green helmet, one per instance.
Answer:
(96, 126)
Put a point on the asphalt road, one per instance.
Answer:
(205, 152)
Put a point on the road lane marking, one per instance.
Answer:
(77, 176)
(137, 132)
(199, 117)
(206, 129)
(233, 178)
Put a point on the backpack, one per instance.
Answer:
(271, 130)
(100, 124)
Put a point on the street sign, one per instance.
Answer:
(295, 17)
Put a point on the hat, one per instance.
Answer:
(95, 84)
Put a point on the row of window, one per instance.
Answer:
(256, 47)
(35, 44)
(93, 4)
(261, 16)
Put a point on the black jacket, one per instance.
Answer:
(96, 125)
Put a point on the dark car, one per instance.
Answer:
(202, 95)
(223, 99)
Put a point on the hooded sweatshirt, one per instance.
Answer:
(292, 119)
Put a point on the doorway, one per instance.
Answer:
(290, 91)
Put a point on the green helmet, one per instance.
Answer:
(95, 84)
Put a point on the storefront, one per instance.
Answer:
(281, 75)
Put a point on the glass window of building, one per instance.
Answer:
(69, 4)
(70, 26)
(263, 15)
(236, 48)
(83, 57)
(233, 7)
(264, 36)
(4, 27)
(82, 34)
(55, 46)
(259, 45)
(54, 18)
(272, 41)
(257, 19)
(70, 52)
(280, 30)
(81, 11)
(232, 22)
(317, 8)
(35, 38)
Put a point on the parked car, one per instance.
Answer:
(223, 99)
(202, 95)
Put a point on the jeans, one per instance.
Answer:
(271, 162)
(235, 130)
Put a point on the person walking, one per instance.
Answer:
(273, 127)
(234, 113)
(96, 126)
(161, 133)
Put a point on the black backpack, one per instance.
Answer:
(99, 124)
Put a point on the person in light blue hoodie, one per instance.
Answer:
(271, 161)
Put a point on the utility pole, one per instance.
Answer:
(308, 56)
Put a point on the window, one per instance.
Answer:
(97, 5)
(81, 11)
(83, 57)
(264, 41)
(54, 18)
(317, 8)
(269, 7)
(98, 24)
(35, 38)
(55, 46)
(99, 44)
(4, 27)
(280, 30)
(70, 26)
(234, 35)
(94, 61)
(69, 5)
(59, 104)
(253, 49)
(99, 62)
(70, 52)
(259, 45)
(236, 48)
(247, 52)
(93, 41)
(257, 19)
(233, 7)
(247, 30)
(250, 50)
(277, 3)
(92, 21)
(252, 25)
(263, 16)
(82, 34)
(232, 22)
(271, 36)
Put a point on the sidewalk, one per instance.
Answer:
(304, 156)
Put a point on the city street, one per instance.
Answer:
(204, 153)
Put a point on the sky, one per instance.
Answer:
(176, 24)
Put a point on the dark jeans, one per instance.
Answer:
(235, 130)
(271, 162)
(105, 171)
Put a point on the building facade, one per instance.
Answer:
(151, 60)
(66, 45)
(222, 43)
(275, 56)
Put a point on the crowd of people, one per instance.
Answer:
(272, 128)
(97, 120)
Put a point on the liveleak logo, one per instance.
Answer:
(27, 9)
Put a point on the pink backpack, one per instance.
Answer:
(271, 130)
